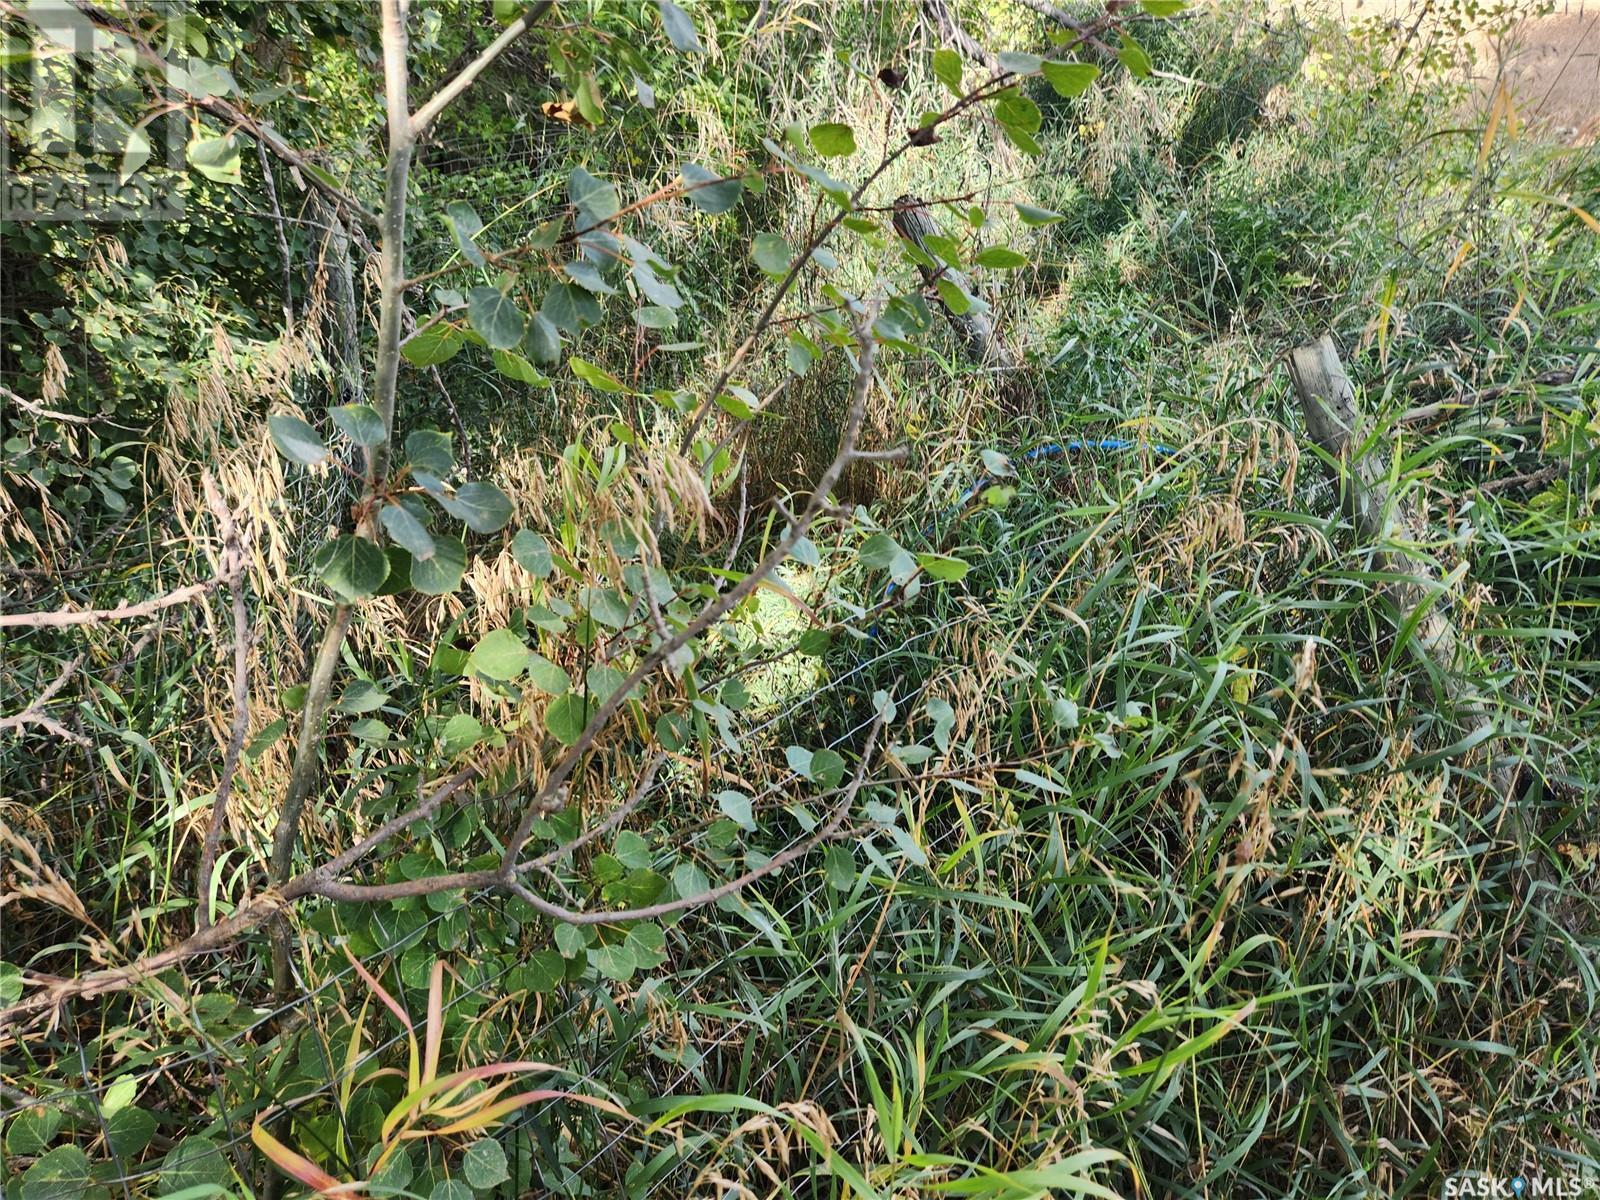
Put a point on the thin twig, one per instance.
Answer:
(63, 618)
(233, 564)
(34, 714)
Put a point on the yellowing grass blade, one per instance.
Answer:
(295, 1165)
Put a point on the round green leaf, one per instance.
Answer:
(465, 224)
(570, 309)
(680, 28)
(484, 1164)
(532, 553)
(432, 346)
(484, 507)
(708, 191)
(566, 717)
(542, 342)
(461, 732)
(296, 440)
(499, 654)
(441, 574)
(833, 140)
(595, 199)
(514, 366)
(129, 1130)
(407, 531)
(62, 1174)
(1002, 257)
(193, 1163)
(546, 676)
(352, 567)
(496, 317)
(360, 423)
(429, 450)
(594, 376)
(771, 253)
(1070, 79)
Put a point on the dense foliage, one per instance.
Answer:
(736, 600)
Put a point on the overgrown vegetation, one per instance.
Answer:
(544, 654)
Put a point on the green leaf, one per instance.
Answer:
(544, 970)
(134, 154)
(193, 1163)
(499, 654)
(532, 553)
(827, 768)
(569, 308)
(362, 696)
(296, 440)
(483, 506)
(547, 677)
(129, 1130)
(680, 28)
(514, 366)
(62, 1174)
(571, 940)
(739, 808)
(360, 423)
(771, 253)
(484, 1164)
(465, 224)
(217, 158)
(880, 552)
(496, 317)
(1132, 55)
(1002, 257)
(839, 868)
(451, 1189)
(587, 276)
(1070, 79)
(566, 717)
(947, 69)
(943, 567)
(461, 732)
(407, 531)
(647, 944)
(1018, 113)
(655, 316)
(441, 574)
(542, 342)
(1163, 8)
(615, 962)
(632, 850)
(595, 376)
(352, 567)
(1035, 217)
(595, 199)
(31, 1130)
(833, 140)
(708, 191)
(429, 450)
(1018, 62)
(431, 346)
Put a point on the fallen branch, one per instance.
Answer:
(65, 618)
(34, 714)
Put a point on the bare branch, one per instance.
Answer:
(424, 116)
(774, 864)
(34, 714)
(64, 618)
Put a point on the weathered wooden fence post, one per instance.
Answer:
(1329, 404)
(974, 327)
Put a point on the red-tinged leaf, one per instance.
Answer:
(496, 1112)
(394, 1006)
(418, 1097)
(297, 1166)
(435, 1029)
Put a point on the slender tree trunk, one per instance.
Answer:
(308, 751)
